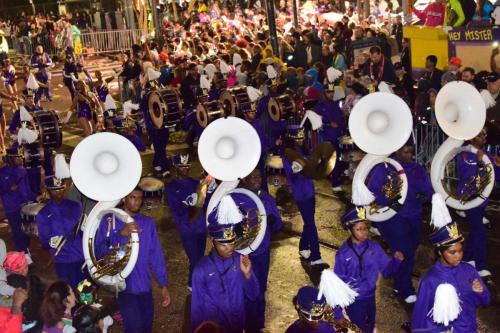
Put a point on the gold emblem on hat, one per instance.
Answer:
(361, 213)
(57, 182)
(300, 134)
(317, 310)
(453, 231)
(229, 234)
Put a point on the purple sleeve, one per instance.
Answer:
(377, 179)
(174, 203)
(420, 322)
(275, 223)
(157, 258)
(483, 298)
(251, 287)
(15, 122)
(386, 265)
(425, 184)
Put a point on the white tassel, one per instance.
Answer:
(224, 68)
(315, 119)
(336, 291)
(210, 69)
(361, 195)
(204, 82)
(153, 74)
(128, 106)
(228, 212)
(24, 114)
(61, 167)
(384, 87)
(446, 304)
(487, 98)
(26, 135)
(333, 74)
(109, 103)
(271, 72)
(32, 84)
(253, 93)
(237, 59)
(440, 216)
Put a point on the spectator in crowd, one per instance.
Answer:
(432, 73)
(379, 68)
(468, 75)
(433, 14)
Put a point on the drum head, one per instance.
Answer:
(48, 126)
(156, 108)
(150, 184)
(202, 115)
(274, 109)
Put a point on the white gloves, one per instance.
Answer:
(296, 167)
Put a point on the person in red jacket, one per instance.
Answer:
(11, 320)
(433, 14)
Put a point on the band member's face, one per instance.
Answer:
(299, 142)
(133, 201)
(16, 161)
(56, 195)
(452, 255)
(250, 115)
(359, 231)
(253, 181)
(39, 50)
(494, 87)
(405, 154)
(30, 100)
(182, 171)
(224, 250)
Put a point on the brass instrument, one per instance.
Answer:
(391, 189)
(248, 231)
(317, 166)
(474, 186)
(342, 327)
(201, 195)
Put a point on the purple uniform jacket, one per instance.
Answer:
(419, 187)
(323, 327)
(301, 186)
(9, 75)
(13, 200)
(42, 62)
(219, 292)
(61, 220)
(265, 143)
(15, 123)
(363, 277)
(177, 193)
(461, 278)
(330, 112)
(150, 259)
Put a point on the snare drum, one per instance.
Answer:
(274, 170)
(206, 112)
(28, 217)
(235, 101)
(47, 123)
(34, 155)
(165, 107)
(281, 107)
(152, 189)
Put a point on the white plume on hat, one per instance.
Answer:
(237, 60)
(109, 103)
(210, 69)
(487, 98)
(336, 291)
(253, 93)
(333, 74)
(384, 87)
(26, 135)
(204, 82)
(128, 106)
(271, 72)
(32, 84)
(315, 119)
(24, 114)
(227, 211)
(224, 68)
(338, 93)
(153, 74)
(446, 304)
(61, 167)
(440, 216)
(361, 195)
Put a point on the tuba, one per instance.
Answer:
(461, 114)
(105, 167)
(229, 150)
(380, 123)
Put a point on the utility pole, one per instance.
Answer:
(295, 14)
(271, 21)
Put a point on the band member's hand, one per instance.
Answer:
(13, 187)
(296, 167)
(165, 297)
(479, 154)
(399, 256)
(334, 124)
(18, 298)
(477, 287)
(279, 142)
(497, 161)
(246, 266)
(128, 229)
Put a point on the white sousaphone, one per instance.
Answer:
(461, 114)
(380, 123)
(229, 150)
(106, 167)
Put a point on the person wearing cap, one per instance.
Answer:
(451, 291)
(402, 231)
(15, 191)
(29, 105)
(304, 195)
(454, 65)
(223, 280)
(358, 263)
(70, 74)
(42, 61)
(256, 310)
(311, 311)
(468, 166)
(59, 232)
(136, 302)
(311, 77)
(188, 213)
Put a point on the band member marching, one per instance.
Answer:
(42, 62)
(86, 104)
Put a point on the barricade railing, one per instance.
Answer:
(427, 138)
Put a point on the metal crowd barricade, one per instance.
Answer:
(427, 138)
(109, 41)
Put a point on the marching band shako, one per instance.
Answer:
(380, 124)
(461, 114)
(106, 167)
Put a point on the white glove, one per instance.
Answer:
(107, 321)
(69, 329)
(191, 199)
(55, 241)
(296, 167)
(73, 77)
(212, 186)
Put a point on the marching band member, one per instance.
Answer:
(136, 301)
(59, 231)
(304, 194)
(70, 75)
(358, 263)
(223, 279)
(450, 292)
(190, 90)
(85, 103)
(256, 310)
(29, 105)
(470, 165)
(3, 123)
(15, 191)
(9, 77)
(182, 198)
(402, 232)
(101, 86)
(42, 62)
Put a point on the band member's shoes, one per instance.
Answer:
(190, 289)
(305, 254)
(157, 168)
(484, 273)
(319, 263)
(337, 189)
(411, 299)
